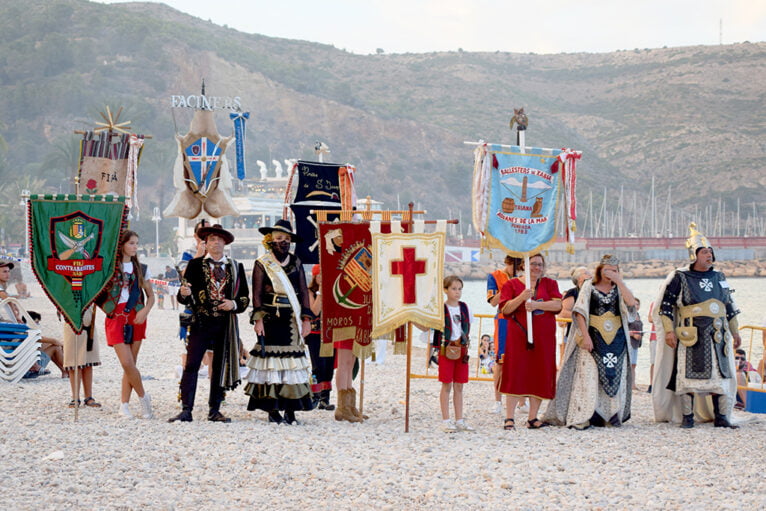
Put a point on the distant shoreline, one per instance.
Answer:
(652, 269)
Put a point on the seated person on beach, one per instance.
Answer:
(485, 354)
(746, 373)
(50, 350)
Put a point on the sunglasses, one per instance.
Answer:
(739, 358)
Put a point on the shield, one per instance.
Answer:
(202, 157)
(74, 249)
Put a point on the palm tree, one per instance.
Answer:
(13, 210)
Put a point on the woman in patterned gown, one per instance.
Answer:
(594, 385)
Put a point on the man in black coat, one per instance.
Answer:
(215, 287)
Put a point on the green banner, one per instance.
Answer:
(74, 242)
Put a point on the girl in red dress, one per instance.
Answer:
(529, 370)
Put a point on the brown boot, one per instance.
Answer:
(340, 408)
(342, 412)
(352, 405)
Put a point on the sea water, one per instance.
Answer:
(749, 296)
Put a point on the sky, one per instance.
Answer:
(539, 26)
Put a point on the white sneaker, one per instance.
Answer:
(523, 408)
(462, 425)
(449, 426)
(498, 407)
(125, 411)
(146, 406)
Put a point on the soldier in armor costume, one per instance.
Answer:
(215, 287)
(697, 319)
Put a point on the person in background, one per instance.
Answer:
(51, 350)
(652, 346)
(636, 332)
(171, 276)
(81, 354)
(321, 367)
(486, 356)
(495, 282)
(746, 373)
(452, 344)
(578, 276)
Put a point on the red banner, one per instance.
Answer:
(346, 264)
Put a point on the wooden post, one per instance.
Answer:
(407, 388)
(528, 283)
(361, 386)
(77, 373)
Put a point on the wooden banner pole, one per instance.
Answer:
(407, 389)
(528, 283)
(361, 386)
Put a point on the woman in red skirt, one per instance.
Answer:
(529, 370)
(128, 299)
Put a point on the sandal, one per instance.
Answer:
(89, 401)
(509, 424)
(536, 424)
(74, 404)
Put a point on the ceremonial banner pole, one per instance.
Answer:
(407, 387)
(77, 337)
(361, 387)
(520, 139)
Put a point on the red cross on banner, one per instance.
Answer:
(409, 268)
(407, 272)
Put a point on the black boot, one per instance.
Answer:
(324, 401)
(184, 416)
(721, 420)
(290, 418)
(688, 421)
(276, 417)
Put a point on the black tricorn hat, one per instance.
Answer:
(218, 230)
(281, 226)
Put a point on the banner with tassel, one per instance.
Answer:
(240, 119)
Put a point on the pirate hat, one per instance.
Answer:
(218, 230)
(696, 241)
(281, 226)
(5, 262)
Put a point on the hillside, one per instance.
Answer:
(693, 114)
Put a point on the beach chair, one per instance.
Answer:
(19, 344)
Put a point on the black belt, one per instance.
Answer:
(275, 300)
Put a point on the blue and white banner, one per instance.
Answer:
(240, 119)
(524, 194)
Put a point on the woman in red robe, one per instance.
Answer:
(529, 370)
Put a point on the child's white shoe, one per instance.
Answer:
(498, 407)
(462, 425)
(449, 426)
(146, 406)
(125, 411)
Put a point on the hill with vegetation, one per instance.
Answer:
(692, 117)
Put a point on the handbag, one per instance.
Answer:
(453, 351)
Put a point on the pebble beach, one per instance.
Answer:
(104, 461)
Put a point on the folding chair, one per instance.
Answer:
(19, 344)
